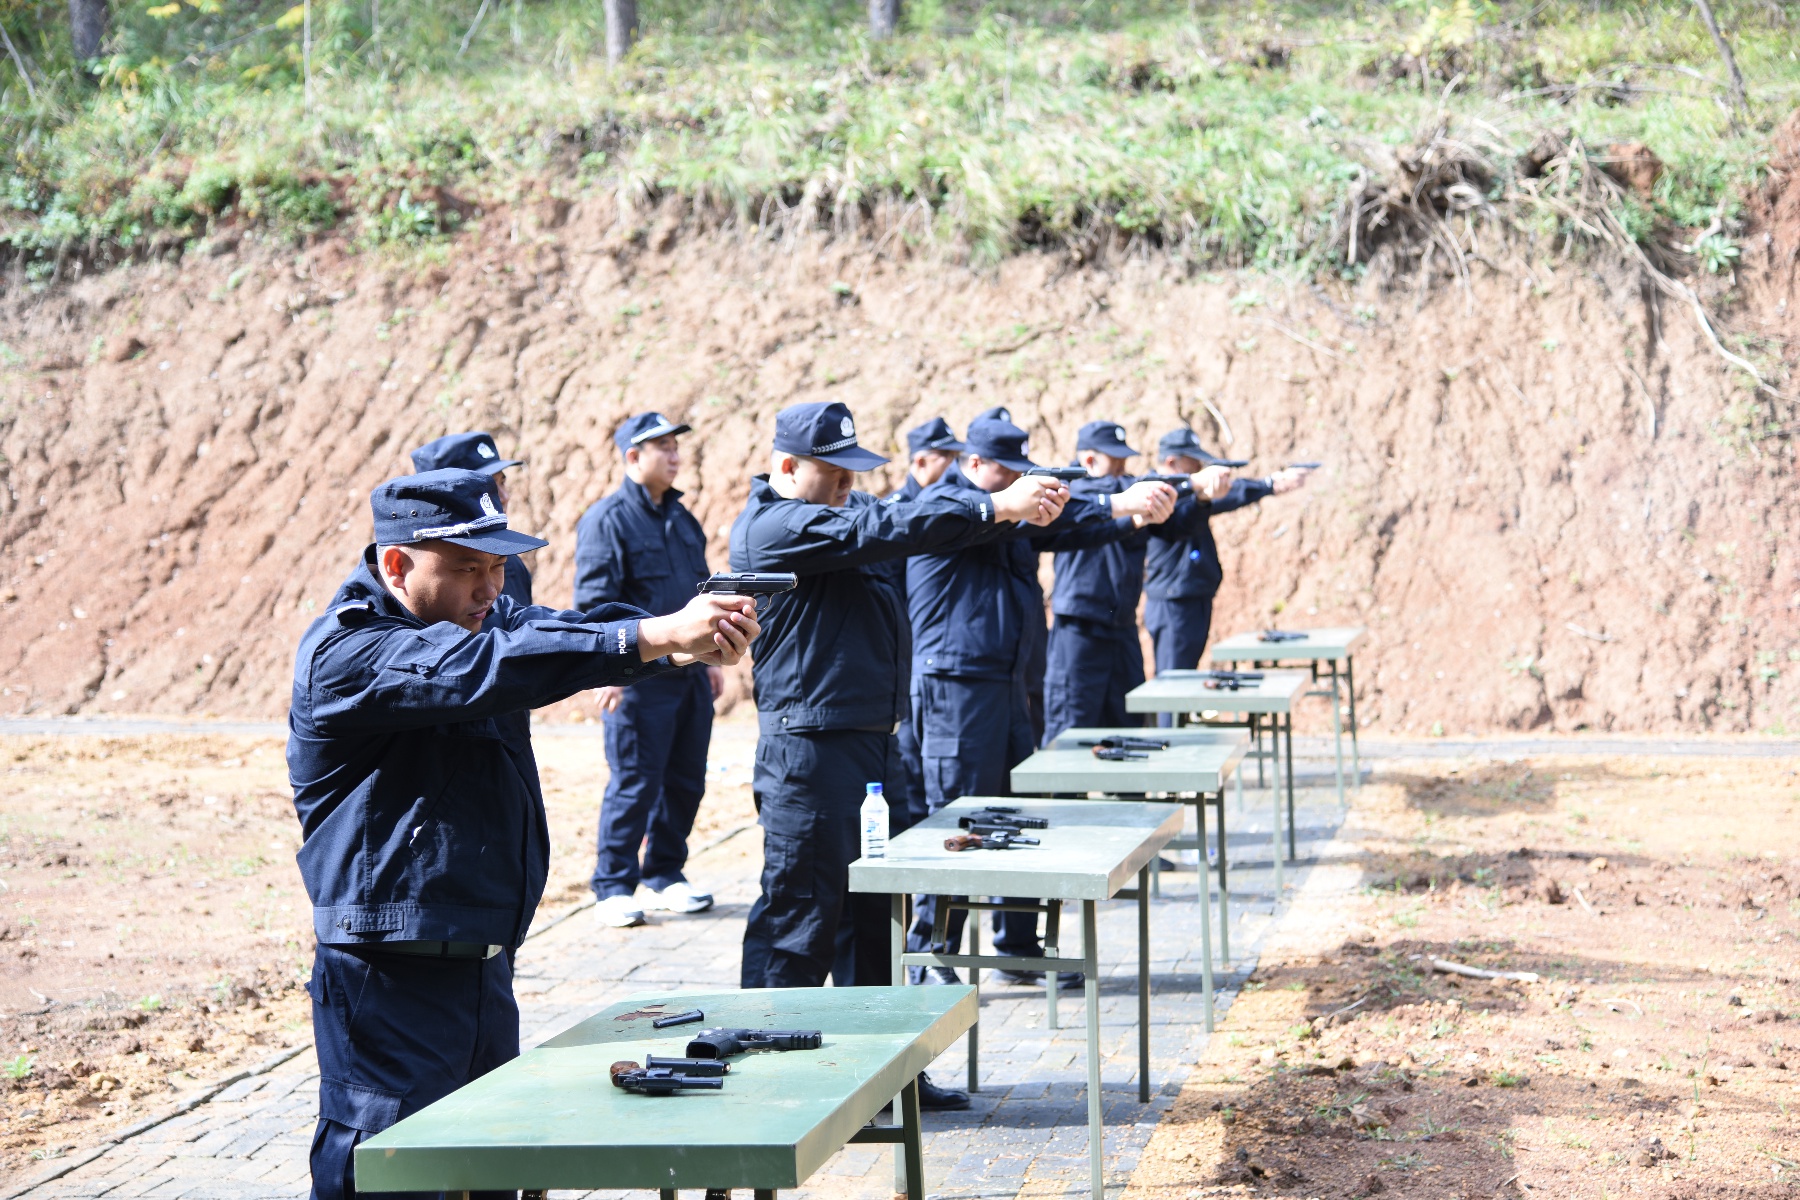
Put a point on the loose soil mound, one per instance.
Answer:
(1655, 1055)
(1543, 494)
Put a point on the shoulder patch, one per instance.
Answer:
(358, 612)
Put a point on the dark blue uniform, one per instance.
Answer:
(908, 804)
(477, 452)
(425, 843)
(1182, 575)
(976, 614)
(632, 551)
(831, 674)
(1094, 656)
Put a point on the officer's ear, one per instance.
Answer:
(395, 563)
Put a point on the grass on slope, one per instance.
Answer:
(1226, 135)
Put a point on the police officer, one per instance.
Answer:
(425, 843)
(477, 452)
(641, 546)
(1181, 565)
(972, 612)
(831, 678)
(933, 447)
(1037, 631)
(1094, 655)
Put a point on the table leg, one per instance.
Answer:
(974, 927)
(1293, 847)
(1337, 731)
(1355, 750)
(667, 1193)
(1206, 961)
(1275, 820)
(763, 1193)
(912, 1150)
(1256, 748)
(1090, 934)
(1143, 901)
(897, 947)
(1224, 892)
(1052, 937)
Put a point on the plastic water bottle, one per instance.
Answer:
(874, 822)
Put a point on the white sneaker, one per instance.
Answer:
(679, 897)
(619, 912)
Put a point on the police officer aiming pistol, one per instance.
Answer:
(424, 838)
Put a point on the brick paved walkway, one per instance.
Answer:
(1026, 1133)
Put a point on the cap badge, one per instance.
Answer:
(1119, 432)
(487, 506)
(849, 427)
(485, 450)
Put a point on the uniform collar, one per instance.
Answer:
(643, 495)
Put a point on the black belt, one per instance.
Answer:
(475, 950)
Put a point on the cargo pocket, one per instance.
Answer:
(358, 1106)
(787, 866)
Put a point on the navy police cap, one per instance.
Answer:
(998, 413)
(646, 427)
(1105, 437)
(823, 430)
(453, 506)
(464, 451)
(999, 441)
(934, 434)
(1185, 443)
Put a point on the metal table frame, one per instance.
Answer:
(942, 823)
(1243, 648)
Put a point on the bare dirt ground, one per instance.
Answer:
(1658, 1054)
(154, 933)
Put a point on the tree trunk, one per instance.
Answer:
(1740, 102)
(884, 18)
(621, 28)
(87, 26)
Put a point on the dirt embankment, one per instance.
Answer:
(1540, 493)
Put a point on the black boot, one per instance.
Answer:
(933, 1098)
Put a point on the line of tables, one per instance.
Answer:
(553, 1119)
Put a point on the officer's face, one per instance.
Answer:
(655, 463)
(821, 483)
(438, 581)
(989, 475)
(1180, 464)
(928, 466)
(1099, 464)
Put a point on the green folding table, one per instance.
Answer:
(1090, 851)
(1315, 647)
(1196, 764)
(552, 1118)
(1270, 699)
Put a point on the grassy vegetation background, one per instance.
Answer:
(1222, 133)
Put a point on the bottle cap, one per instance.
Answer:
(873, 789)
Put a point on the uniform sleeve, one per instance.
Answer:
(812, 539)
(599, 560)
(389, 677)
(1185, 522)
(1084, 524)
(1243, 493)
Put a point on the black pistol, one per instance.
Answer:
(1122, 742)
(1117, 753)
(750, 583)
(1004, 818)
(974, 840)
(1230, 681)
(1280, 635)
(656, 1081)
(723, 1043)
(1306, 466)
(1066, 474)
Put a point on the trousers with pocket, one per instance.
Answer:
(656, 744)
(809, 791)
(395, 1033)
(1178, 632)
(971, 734)
(1091, 667)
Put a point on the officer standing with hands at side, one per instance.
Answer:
(1095, 657)
(1181, 565)
(831, 677)
(641, 546)
(477, 452)
(425, 845)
